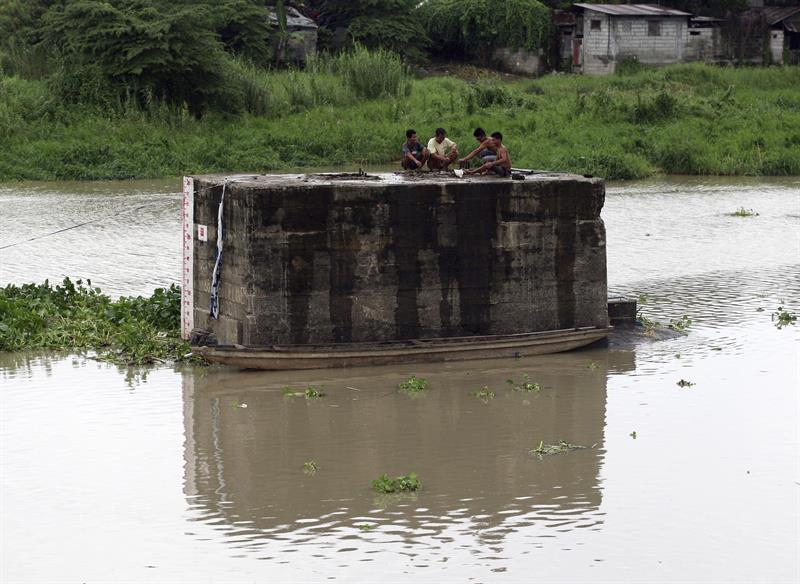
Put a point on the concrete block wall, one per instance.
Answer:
(627, 37)
(310, 259)
(776, 47)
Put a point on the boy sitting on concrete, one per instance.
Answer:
(501, 165)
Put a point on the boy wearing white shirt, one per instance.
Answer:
(443, 151)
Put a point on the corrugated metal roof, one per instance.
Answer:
(774, 14)
(633, 9)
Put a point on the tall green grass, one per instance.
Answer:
(685, 119)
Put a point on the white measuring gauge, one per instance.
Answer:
(187, 278)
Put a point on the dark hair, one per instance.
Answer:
(498, 135)
(410, 132)
(479, 132)
(440, 132)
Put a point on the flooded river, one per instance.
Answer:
(197, 474)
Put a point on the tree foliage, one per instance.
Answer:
(385, 24)
(473, 28)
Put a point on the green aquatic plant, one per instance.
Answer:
(414, 385)
(593, 365)
(77, 316)
(484, 394)
(633, 434)
(783, 317)
(310, 392)
(680, 324)
(310, 467)
(548, 449)
(367, 526)
(742, 212)
(402, 484)
(685, 383)
(526, 385)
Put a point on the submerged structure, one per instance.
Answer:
(323, 259)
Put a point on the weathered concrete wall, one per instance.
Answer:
(704, 44)
(619, 38)
(518, 61)
(776, 47)
(310, 259)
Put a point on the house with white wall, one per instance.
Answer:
(607, 34)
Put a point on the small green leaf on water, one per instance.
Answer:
(484, 394)
(677, 355)
(633, 434)
(685, 383)
(549, 449)
(310, 467)
(367, 526)
(742, 212)
(401, 484)
(311, 392)
(783, 318)
(414, 384)
(593, 365)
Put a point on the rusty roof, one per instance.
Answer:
(633, 9)
(774, 14)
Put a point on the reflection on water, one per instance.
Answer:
(162, 475)
(245, 464)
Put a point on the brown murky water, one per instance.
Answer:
(196, 475)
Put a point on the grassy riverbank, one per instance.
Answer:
(685, 119)
(70, 316)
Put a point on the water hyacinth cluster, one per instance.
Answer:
(77, 316)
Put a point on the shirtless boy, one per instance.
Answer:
(501, 165)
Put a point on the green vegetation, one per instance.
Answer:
(685, 383)
(401, 484)
(680, 324)
(70, 316)
(526, 385)
(633, 434)
(685, 119)
(742, 212)
(560, 448)
(367, 526)
(414, 385)
(310, 467)
(473, 28)
(484, 394)
(781, 318)
(593, 365)
(311, 392)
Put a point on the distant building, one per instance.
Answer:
(784, 34)
(606, 34)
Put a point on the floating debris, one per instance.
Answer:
(560, 448)
(685, 383)
(414, 385)
(310, 467)
(783, 318)
(484, 394)
(311, 392)
(527, 385)
(401, 484)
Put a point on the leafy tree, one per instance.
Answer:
(388, 24)
(474, 28)
(146, 47)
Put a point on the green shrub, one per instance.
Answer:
(473, 28)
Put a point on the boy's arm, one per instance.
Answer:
(474, 153)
